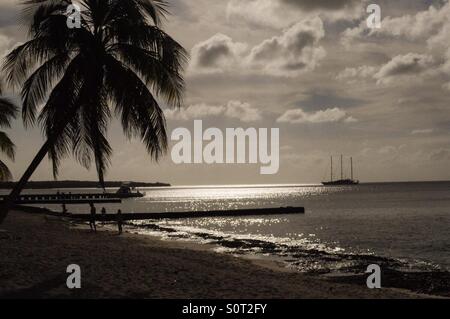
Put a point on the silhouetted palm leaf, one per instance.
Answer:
(7, 113)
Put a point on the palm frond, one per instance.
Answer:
(5, 173)
(36, 88)
(7, 146)
(138, 10)
(57, 120)
(140, 113)
(8, 112)
(95, 117)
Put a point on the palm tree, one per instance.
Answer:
(7, 113)
(73, 80)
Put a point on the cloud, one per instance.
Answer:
(331, 115)
(196, 111)
(389, 150)
(410, 64)
(422, 131)
(362, 72)
(233, 109)
(282, 13)
(295, 51)
(442, 154)
(242, 111)
(431, 25)
(351, 119)
(216, 54)
(322, 5)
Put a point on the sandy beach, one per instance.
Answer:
(36, 250)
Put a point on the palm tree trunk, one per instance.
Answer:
(20, 185)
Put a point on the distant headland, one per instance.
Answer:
(80, 184)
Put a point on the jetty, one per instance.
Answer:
(100, 198)
(169, 215)
(197, 214)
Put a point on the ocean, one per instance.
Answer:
(406, 224)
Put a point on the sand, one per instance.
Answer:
(35, 251)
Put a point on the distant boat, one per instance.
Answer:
(342, 181)
(125, 191)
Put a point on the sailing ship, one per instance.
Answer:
(342, 180)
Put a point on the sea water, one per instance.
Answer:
(407, 222)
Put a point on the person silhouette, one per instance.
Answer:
(92, 218)
(119, 221)
(103, 215)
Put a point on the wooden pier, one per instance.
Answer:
(67, 199)
(200, 214)
(99, 198)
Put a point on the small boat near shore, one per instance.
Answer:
(125, 191)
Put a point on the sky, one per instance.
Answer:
(314, 70)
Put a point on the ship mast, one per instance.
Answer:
(331, 168)
(342, 168)
(351, 165)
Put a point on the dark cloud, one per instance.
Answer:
(302, 39)
(316, 100)
(208, 56)
(216, 53)
(294, 66)
(312, 5)
(283, 13)
(411, 63)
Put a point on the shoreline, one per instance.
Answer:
(341, 267)
(37, 249)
